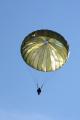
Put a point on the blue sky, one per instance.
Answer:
(60, 98)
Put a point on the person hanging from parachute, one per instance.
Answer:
(39, 89)
(44, 50)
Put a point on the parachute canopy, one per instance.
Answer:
(45, 50)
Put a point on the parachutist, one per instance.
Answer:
(44, 50)
(39, 91)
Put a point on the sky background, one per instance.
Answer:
(60, 98)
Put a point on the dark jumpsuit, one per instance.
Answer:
(39, 91)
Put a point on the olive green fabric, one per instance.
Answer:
(45, 50)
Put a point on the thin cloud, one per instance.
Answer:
(22, 116)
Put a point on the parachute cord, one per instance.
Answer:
(40, 84)
(36, 81)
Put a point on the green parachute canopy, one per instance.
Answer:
(45, 50)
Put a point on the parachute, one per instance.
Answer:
(45, 50)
